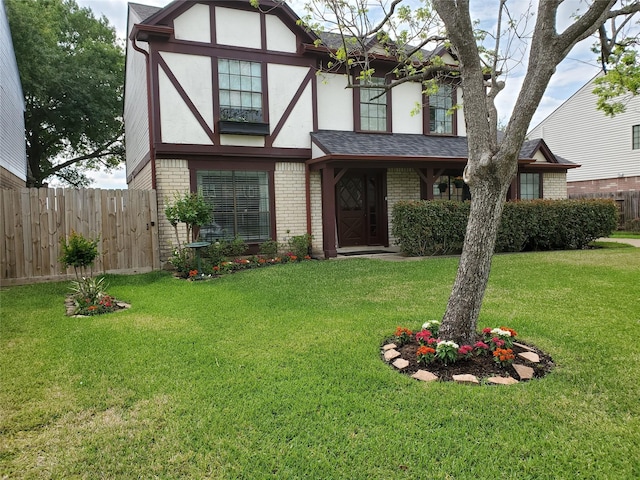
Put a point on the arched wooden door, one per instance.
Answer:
(360, 209)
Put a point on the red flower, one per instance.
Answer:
(486, 331)
(481, 345)
(216, 268)
(465, 350)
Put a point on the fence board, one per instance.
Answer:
(35, 221)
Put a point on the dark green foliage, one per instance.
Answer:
(300, 245)
(430, 228)
(78, 252)
(190, 208)
(268, 248)
(435, 228)
(72, 72)
(235, 248)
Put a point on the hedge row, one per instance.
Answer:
(438, 227)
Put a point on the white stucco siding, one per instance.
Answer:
(136, 113)
(242, 140)
(238, 28)
(407, 98)
(279, 37)
(193, 72)
(194, 24)
(13, 155)
(600, 144)
(284, 81)
(335, 103)
(177, 122)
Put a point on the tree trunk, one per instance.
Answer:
(463, 308)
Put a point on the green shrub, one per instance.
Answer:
(78, 252)
(189, 208)
(300, 245)
(269, 248)
(430, 228)
(183, 260)
(436, 227)
(235, 248)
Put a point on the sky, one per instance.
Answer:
(576, 70)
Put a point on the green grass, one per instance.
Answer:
(276, 373)
(622, 234)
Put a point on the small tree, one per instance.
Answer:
(190, 209)
(78, 252)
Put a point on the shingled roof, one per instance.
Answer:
(399, 145)
(144, 11)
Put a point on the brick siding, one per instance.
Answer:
(172, 176)
(290, 197)
(554, 185)
(606, 185)
(402, 184)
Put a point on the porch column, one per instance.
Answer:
(329, 213)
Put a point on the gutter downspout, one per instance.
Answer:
(307, 188)
(152, 153)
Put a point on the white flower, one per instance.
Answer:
(447, 343)
(430, 324)
(500, 332)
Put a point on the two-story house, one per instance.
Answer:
(13, 149)
(608, 148)
(231, 101)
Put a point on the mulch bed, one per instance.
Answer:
(481, 366)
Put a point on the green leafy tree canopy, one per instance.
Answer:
(72, 72)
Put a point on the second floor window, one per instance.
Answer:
(635, 137)
(440, 121)
(373, 107)
(240, 86)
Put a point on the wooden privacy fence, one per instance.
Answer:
(35, 220)
(628, 203)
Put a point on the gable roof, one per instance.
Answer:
(143, 11)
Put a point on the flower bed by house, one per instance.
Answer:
(238, 264)
(495, 353)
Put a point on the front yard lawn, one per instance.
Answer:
(276, 373)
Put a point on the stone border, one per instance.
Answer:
(525, 373)
(71, 307)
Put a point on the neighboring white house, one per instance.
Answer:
(13, 149)
(607, 148)
(223, 98)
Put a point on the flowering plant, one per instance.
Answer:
(425, 354)
(193, 273)
(499, 337)
(465, 351)
(480, 348)
(403, 335)
(503, 356)
(447, 351)
(433, 326)
(423, 336)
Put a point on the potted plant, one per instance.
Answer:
(442, 186)
(458, 182)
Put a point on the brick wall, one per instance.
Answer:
(607, 185)
(402, 184)
(172, 176)
(290, 197)
(554, 185)
(315, 184)
(142, 181)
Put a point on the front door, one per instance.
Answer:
(360, 209)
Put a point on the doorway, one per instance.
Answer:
(360, 208)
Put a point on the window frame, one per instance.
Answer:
(244, 165)
(251, 125)
(357, 108)
(454, 115)
(635, 137)
(540, 185)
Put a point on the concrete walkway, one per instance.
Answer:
(631, 241)
(393, 254)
